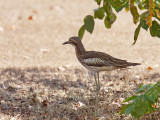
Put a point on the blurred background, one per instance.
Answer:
(32, 33)
(41, 78)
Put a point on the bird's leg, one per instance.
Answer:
(96, 105)
(96, 81)
(99, 86)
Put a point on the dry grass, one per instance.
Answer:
(65, 93)
(33, 86)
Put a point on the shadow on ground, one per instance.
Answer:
(47, 93)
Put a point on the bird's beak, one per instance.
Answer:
(67, 42)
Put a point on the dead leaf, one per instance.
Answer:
(149, 20)
(126, 9)
(150, 68)
(154, 106)
(30, 18)
(157, 13)
(151, 13)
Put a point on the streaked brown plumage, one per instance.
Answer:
(97, 61)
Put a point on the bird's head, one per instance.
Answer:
(73, 41)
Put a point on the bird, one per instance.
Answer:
(96, 61)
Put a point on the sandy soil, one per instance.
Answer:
(32, 57)
(54, 21)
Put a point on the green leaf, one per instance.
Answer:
(89, 23)
(124, 107)
(118, 5)
(153, 93)
(129, 109)
(144, 103)
(81, 32)
(142, 89)
(143, 4)
(157, 3)
(98, 1)
(99, 13)
(143, 18)
(140, 86)
(107, 7)
(113, 18)
(144, 15)
(135, 114)
(134, 13)
(155, 29)
(140, 105)
(150, 109)
(144, 25)
(136, 33)
(127, 6)
(130, 98)
(109, 20)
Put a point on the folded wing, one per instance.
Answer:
(99, 59)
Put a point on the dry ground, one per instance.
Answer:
(41, 79)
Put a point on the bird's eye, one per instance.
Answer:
(73, 41)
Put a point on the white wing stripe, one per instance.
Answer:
(94, 61)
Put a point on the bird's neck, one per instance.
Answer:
(80, 50)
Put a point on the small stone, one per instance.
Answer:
(137, 76)
(30, 107)
(26, 57)
(81, 104)
(1, 29)
(43, 50)
(121, 99)
(156, 66)
(61, 69)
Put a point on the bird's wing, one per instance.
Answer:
(120, 63)
(92, 58)
(94, 61)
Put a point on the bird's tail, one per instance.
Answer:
(133, 64)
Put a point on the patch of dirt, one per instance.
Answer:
(65, 93)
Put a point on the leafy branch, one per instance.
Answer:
(147, 20)
(145, 100)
